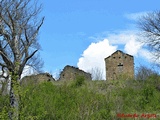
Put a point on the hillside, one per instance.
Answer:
(88, 100)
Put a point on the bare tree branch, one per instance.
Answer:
(150, 26)
(19, 27)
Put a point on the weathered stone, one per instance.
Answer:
(119, 64)
(34, 79)
(71, 73)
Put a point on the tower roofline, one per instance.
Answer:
(116, 52)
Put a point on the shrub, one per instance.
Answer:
(79, 81)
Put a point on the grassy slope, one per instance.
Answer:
(94, 100)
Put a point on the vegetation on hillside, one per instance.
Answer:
(84, 100)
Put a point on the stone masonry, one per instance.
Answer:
(70, 73)
(34, 79)
(119, 64)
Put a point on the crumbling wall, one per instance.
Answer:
(119, 64)
(34, 79)
(70, 73)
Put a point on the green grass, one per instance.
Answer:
(87, 100)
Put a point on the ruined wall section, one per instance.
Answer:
(71, 73)
(34, 79)
(118, 64)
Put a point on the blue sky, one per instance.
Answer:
(78, 31)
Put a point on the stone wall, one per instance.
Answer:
(70, 73)
(34, 79)
(119, 64)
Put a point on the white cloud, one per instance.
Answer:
(135, 16)
(122, 37)
(145, 53)
(129, 39)
(28, 70)
(132, 46)
(149, 56)
(93, 56)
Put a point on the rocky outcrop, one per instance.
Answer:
(71, 73)
(34, 79)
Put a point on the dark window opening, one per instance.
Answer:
(120, 64)
(120, 67)
(114, 57)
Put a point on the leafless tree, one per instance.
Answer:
(143, 72)
(150, 26)
(97, 73)
(19, 27)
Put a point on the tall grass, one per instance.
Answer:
(82, 100)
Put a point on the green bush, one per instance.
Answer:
(82, 100)
(78, 82)
(4, 107)
(47, 101)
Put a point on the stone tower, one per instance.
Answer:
(119, 64)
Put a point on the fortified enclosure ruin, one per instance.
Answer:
(118, 65)
(71, 73)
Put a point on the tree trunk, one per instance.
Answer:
(14, 98)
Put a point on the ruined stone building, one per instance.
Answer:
(34, 79)
(71, 73)
(119, 64)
